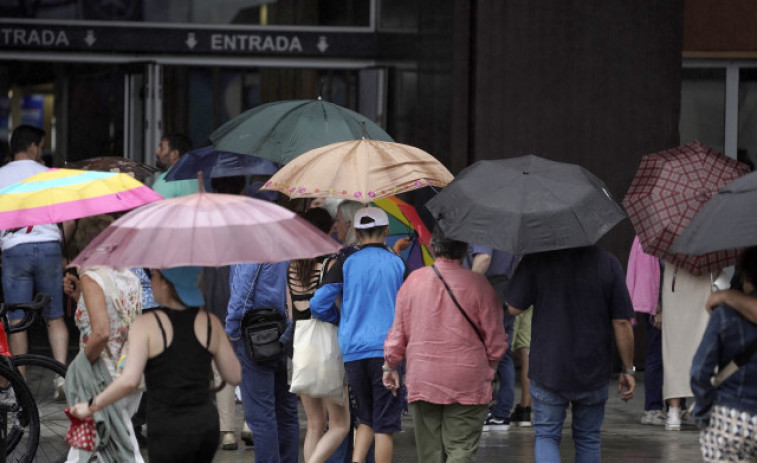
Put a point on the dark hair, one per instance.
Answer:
(172, 293)
(747, 265)
(23, 137)
(178, 142)
(303, 268)
(372, 232)
(447, 247)
(89, 227)
(228, 185)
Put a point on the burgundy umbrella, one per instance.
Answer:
(667, 191)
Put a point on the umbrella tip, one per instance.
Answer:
(363, 136)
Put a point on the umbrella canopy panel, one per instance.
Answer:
(525, 205)
(206, 229)
(359, 170)
(283, 130)
(140, 170)
(214, 164)
(727, 221)
(668, 190)
(57, 195)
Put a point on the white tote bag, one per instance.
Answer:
(317, 365)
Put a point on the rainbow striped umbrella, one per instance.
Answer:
(57, 195)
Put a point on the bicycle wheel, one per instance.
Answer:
(41, 372)
(20, 414)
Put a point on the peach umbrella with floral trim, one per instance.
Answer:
(361, 170)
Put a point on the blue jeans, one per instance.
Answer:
(549, 414)
(506, 372)
(269, 409)
(33, 267)
(653, 368)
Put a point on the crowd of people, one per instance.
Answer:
(441, 341)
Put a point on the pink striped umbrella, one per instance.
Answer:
(205, 229)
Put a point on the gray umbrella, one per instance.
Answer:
(526, 204)
(727, 221)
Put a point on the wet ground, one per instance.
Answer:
(624, 439)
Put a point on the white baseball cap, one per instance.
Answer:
(369, 217)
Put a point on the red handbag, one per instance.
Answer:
(82, 434)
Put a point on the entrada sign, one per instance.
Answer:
(124, 38)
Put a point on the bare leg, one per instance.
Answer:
(316, 416)
(339, 427)
(57, 333)
(363, 441)
(384, 447)
(675, 402)
(525, 397)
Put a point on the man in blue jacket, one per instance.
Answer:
(367, 281)
(269, 408)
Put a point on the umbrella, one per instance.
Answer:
(727, 221)
(214, 164)
(205, 229)
(140, 170)
(526, 204)
(360, 170)
(667, 191)
(57, 195)
(403, 221)
(283, 130)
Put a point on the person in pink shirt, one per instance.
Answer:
(452, 350)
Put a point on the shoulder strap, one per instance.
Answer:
(454, 299)
(207, 343)
(162, 331)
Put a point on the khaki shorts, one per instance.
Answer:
(522, 330)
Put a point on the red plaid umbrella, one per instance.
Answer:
(668, 189)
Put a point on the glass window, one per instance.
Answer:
(703, 106)
(398, 15)
(334, 13)
(747, 136)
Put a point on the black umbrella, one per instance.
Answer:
(727, 221)
(526, 204)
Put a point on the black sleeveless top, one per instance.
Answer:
(304, 294)
(177, 379)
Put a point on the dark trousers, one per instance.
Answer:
(653, 370)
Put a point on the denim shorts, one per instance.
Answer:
(377, 407)
(32, 268)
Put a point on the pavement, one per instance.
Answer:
(624, 439)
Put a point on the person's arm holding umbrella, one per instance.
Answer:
(743, 303)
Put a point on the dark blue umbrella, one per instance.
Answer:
(215, 164)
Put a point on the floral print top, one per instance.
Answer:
(124, 303)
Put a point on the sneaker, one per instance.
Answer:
(654, 417)
(673, 423)
(493, 423)
(228, 440)
(58, 393)
(246, 435)
(521, 416)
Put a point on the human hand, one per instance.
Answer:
(391, 380)
(628, 383)
(80, 410)
(715, 299)
(401, 244)
(657, 318)
(71, 286)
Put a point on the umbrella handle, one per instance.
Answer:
(200, 182)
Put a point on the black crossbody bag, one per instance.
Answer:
(462, 311)
(261, 330)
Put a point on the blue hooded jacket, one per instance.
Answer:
(368, 281)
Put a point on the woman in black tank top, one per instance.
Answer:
(173, 347)
(302, 280)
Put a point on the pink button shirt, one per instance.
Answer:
(446, 361)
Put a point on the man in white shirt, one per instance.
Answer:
(31, 256)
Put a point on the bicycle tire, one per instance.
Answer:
(40, 372)
(22, 421)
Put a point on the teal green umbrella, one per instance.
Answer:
(283, 130)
